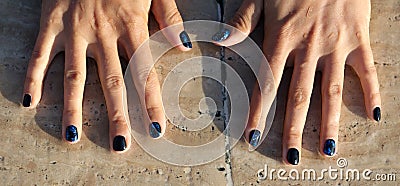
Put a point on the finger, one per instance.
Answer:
(167, 14)
(74, 83)
(42, 55)
(243, 22)
(112, 82)
(277, 54)
(145, 78)
(331, 89)
(362, 62)
(297, 106)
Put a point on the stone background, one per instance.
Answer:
(32, 152)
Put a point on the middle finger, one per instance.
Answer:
(332, 86)
(298, 102)
(112, 82)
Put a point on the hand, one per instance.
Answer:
(98, 29)
(318, 35)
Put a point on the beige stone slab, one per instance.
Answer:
(32, 151)
(362, 142)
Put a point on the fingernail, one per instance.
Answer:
(27, 100)
(293, 156)
(254, 137)
(377, 114)
(185, 39)
(329, 147)
(71, 133)
(221, 35)
(119, 143)
(155, 130)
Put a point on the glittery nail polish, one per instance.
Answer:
(329, 147)
(71, 133)
(27, 100)
(155, 130)
(377, 114)
(293, 156)
(185, 39)
(254, 137)
(119, 143)
(221, 35)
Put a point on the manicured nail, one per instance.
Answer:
(155, 130)
(119, 143)
(185, 39)
(254, 137)
(71, 133)
(329, 147)
(377, 114)
(221, 35)
(27, 100)
(293, 156)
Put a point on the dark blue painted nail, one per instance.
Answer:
(221, 35)
(254, 137)
(27, 100)
(185, 39)
(329, 147)
(293, 156)
(155, 130)
(377, 114)
(71, 133)
(119, 143)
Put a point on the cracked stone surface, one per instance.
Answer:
(32, 151)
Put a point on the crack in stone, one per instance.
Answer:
(225, 113)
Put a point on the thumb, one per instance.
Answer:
(167, 14)
(243, 23)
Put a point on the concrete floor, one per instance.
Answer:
(32, 151)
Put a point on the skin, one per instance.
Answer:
(100, 30)
(311, 35)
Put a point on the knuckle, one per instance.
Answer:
(68, 113)
(31, 82)
(37, 55)
(152, 83)
(332, 126)
(267, 88)
(285, 31)
(375, 96)
(152, 111)
(333, 91)
(117, 118)
(134, 19)
(370, 70)
(53, 20)
(101, 22)
(299, 98)
(173, 16)
(242, 22)
(114, 82)
(294, 134)
(74, 77)
(361, 33)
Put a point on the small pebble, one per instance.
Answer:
(187, 170)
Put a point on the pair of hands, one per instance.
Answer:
(322, 35)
